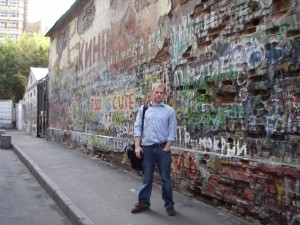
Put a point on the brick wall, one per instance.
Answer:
(232, 72)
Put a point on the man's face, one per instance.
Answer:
(158, 95)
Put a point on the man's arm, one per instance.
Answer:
(138, 149)
(172, 129)
(138, 133)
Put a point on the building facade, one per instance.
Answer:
(13, 18)
(30, 113)
(232, 70)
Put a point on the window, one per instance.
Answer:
(2, 24)
(13, 3)
(12, 14)
(13, 25)
(2, 2)
(13, 36)
(3, 14)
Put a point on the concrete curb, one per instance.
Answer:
(75, 215)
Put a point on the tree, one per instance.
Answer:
(16, 58)
(33, 51)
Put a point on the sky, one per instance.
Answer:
(49, 11)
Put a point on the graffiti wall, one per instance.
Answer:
(232, 70)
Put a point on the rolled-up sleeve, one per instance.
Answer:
(172, 126)
(138, 123)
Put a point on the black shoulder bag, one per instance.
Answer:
(135, 162)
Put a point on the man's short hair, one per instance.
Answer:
(159, 84)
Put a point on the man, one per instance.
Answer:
(160, 127)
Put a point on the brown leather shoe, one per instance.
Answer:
(171, 211)
(139, 207)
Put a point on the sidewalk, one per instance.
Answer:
(90, 191)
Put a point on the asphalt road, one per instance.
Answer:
(22, 200)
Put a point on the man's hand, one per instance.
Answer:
(138, 151)
(167, 147)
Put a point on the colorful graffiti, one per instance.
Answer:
(119, 102)
(232, 73)
(234, 87)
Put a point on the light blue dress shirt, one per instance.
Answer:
(160, 124)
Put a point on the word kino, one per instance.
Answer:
(119, 102)
(90, 52)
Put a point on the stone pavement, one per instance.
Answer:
(90, 191)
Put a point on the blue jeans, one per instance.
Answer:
(153, 156)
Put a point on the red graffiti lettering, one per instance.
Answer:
(80, 61)
(185, 163)
(95, 104)
(88, 54)
(180, 162)
(92, 51)
(193, 169)
(123, 102)
(130, 101)
(115, 103)
(96, 49)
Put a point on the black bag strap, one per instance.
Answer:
(143, 116)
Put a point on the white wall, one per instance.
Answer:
(6, 110)
(19, 118)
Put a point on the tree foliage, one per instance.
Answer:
(16, 58)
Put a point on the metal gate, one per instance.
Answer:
(42, 107)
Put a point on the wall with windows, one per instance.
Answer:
(13, 14)
(232, 72)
